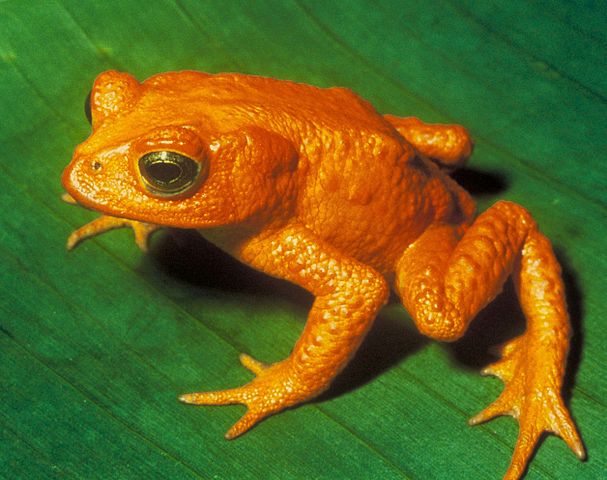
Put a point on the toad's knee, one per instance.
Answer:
(439, 318)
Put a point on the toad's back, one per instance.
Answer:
(267, 101)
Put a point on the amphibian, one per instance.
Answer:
(314, 186)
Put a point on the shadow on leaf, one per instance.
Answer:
(388, 343)
(186, 256)
(480, 183)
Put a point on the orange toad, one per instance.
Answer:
(314, 186)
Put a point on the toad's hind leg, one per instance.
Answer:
(449, 146)
(448, 275)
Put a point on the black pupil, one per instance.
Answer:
(87, 108)
(164, 172)
(168, 173)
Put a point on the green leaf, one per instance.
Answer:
(96, 345)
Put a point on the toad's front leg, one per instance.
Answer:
(105, 223)
(348, 297)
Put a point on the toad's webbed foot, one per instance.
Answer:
(274, 388)
(104, 223)
(532, 396)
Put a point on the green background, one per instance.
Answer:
(96, 345)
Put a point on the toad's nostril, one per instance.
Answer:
(96, 165)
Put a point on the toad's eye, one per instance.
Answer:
(87, 108)
(168, 173)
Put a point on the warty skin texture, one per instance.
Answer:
(315, 187)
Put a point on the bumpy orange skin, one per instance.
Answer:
(314, 186)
